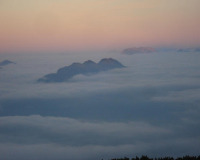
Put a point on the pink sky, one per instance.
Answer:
(66, 25)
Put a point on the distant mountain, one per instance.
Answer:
(197, 50)
(185, 50)
(6, 62)
(135, 50)
(88, 67)
(189, 50)
(180, 50)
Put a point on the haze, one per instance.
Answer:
(59, 25)
(99, 110)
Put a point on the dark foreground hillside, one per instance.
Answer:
(160, 158)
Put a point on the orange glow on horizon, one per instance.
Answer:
(84, 25)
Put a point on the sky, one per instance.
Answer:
(88, 25)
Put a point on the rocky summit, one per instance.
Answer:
(6, 62)
(86, 68)
(135, 50)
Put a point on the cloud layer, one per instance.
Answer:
(151, 108)
(67, 138)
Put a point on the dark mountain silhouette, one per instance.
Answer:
(197, 50)
(189, 50)
(135, 50)
(180, 50)
(87, 68)
(186, 50)
(6, 62)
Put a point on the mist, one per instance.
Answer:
(151, 107)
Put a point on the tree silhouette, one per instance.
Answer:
(187, 157)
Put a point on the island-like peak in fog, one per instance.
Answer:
(88, 67)
(6, 62)
(135, 50)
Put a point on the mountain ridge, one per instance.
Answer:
(6, 62)
(88, 67)
(134, 50)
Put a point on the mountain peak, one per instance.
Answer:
(135, 50)
(6, 62)
(88, 67)
(76, 64)
(109, 63)
(107, 60)
(89, 62)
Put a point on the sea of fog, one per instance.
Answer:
(152, 107)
